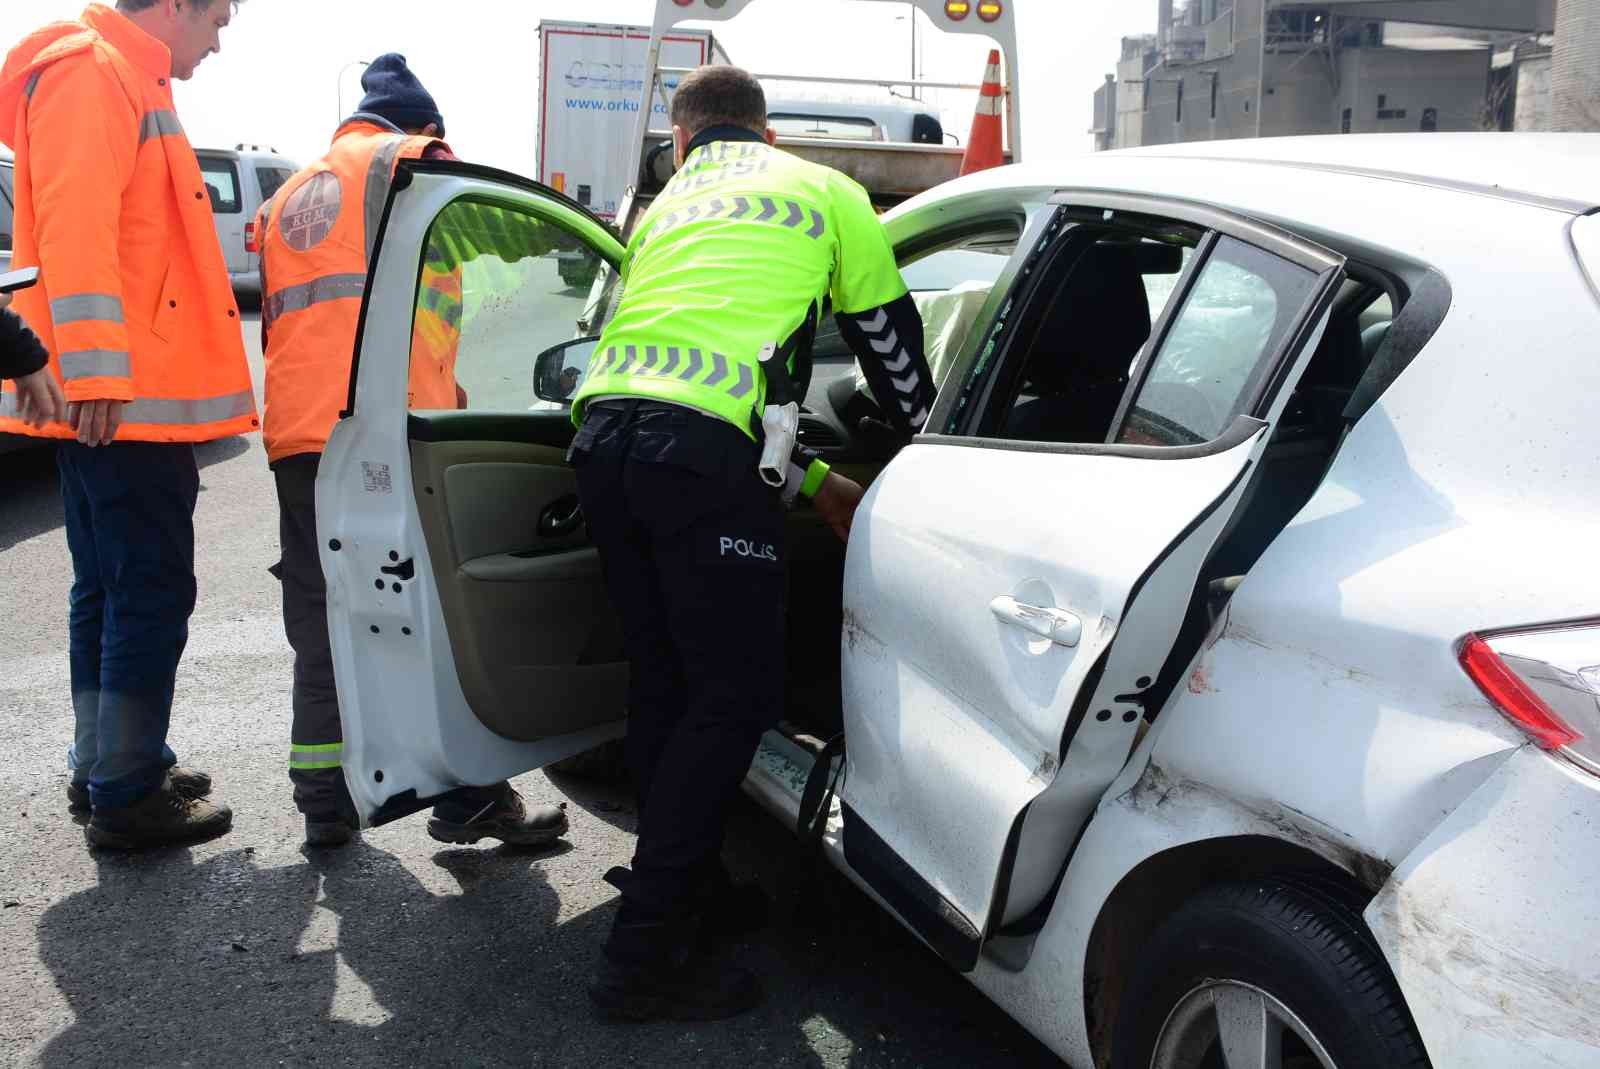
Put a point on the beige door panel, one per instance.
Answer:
(536, 643)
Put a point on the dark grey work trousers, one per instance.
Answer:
(316, 738)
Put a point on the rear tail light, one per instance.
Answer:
(250, 242)
(1546, 681)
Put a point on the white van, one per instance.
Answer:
(7, 211)
(239, 181)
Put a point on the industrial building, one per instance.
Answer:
(1218, 69)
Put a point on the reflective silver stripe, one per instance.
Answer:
(32, 84)
(327, 288)
(170, 411)
(86, 307)
(379, 177)
(164, 411)
(990, 106)
(94, 363)
(159, 124)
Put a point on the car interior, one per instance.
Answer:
(1086, 325)
(534, 638)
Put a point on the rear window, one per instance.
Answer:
(271, 179)
(6, 220)
(222, 185)
(840, 127)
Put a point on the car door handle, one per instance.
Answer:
(1058, 625)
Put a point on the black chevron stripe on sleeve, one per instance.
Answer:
(888, 344)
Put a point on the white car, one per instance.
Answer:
(1215, 683)
(239, 181)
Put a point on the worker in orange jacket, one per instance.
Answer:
(135, 308)
(316, 242)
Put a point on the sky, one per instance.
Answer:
(282, 77)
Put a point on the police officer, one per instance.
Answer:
(739, 253)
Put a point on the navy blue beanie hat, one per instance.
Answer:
(395, 93)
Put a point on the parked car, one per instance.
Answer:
(239, 181)
(1217, 677)
(8, 442)
(7, 208)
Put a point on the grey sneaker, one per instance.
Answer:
(189, 782)
(509, 820)
(162, 817)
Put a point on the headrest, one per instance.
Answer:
(1101, 315)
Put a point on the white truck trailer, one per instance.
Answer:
(605, 91)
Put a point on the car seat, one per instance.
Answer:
(1083, 350)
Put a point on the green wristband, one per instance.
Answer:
(815, 473)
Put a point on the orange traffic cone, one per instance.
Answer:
(985, 146)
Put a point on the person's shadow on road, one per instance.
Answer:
(347, 958)
(344, 958)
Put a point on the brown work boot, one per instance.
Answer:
(162, 817)
(506, 817)
(189, 782)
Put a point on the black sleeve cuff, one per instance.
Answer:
(21, 352)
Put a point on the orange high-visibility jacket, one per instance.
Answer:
(317, 235)
(134, 300)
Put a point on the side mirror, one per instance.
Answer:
(560, 370)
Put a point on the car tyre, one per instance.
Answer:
(1269, 962)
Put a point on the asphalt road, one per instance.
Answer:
(251, 951)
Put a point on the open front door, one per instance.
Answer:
(1016, 584)
(471, 632)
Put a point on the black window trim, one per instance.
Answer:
(956, 413)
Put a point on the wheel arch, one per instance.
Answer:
(1160, 884)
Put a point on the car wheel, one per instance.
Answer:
(1271, 974)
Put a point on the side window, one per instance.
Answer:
(498, 286)
(1238, 313)
(7, 220)
(271, 179)
(222, 185)
(1082, 330)
(948, 268)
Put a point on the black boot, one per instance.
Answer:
(732, 911)
(651, 970)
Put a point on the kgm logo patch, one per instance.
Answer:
(311, 211)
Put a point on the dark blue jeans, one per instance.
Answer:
(130, 527)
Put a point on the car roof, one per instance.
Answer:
(1555, 168)
(255, 153)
